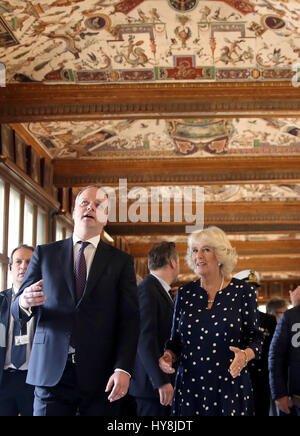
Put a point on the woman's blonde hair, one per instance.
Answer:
(217, 239)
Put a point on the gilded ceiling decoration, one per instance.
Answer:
(123, 41)
(168, 138)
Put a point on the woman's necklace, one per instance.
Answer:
(222, 283)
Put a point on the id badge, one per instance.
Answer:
(21, 340)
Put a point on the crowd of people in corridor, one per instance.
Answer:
(79, 337)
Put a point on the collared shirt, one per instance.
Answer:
(30, 333)
(89, 251)
(164, 284)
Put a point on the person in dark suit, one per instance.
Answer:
(284, 359)
(151, 387)
(16, 397)
(83, 295)
(258, 368)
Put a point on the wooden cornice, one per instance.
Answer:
(140, 249)
(39, 102)
(259, 263)
(30, 139)
(11, 172)
(180, 171)
(138, 229)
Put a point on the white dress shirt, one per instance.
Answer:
(89, 251)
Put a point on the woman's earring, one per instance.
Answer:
(219, 264)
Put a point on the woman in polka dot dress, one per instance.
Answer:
(214, 335)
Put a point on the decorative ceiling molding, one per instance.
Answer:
(215, 170)
(172, 229)
(36, 102)
(19, 179)
(212, 177)
(139, 248)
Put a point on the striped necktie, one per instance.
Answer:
(80, 271)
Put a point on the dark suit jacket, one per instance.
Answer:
(5, 306)
(284, 355)
(5, 303)
(104, 323)
(258, 368)
(156, 321)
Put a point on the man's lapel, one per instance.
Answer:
(67, 265)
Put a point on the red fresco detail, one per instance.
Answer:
(184, 69)
(126, 6)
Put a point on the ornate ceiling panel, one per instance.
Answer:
(123, 41)
(171, 138)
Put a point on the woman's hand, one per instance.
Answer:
(241, 358)
(166, 362)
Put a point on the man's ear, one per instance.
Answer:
(172, 263)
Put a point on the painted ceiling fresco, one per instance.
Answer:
(220, 193)
(117, 41)
(168, 138)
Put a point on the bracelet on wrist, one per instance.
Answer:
(246, 357)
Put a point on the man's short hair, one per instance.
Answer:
(274, 305)
(160, 255)
(89, 187)
(25, 246)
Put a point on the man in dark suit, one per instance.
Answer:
(258, 369)
(151, 387)
(284, 360)
(83, 295)
(16, 397)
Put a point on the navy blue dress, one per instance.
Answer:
(201, 339)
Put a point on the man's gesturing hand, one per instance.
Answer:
(32, 296)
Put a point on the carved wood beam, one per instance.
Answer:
(281, 247)
(179, 229)
(270, 263)
(180, 171)
(277, 275)
(259, 263)
(38, 102)
(11, 172)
